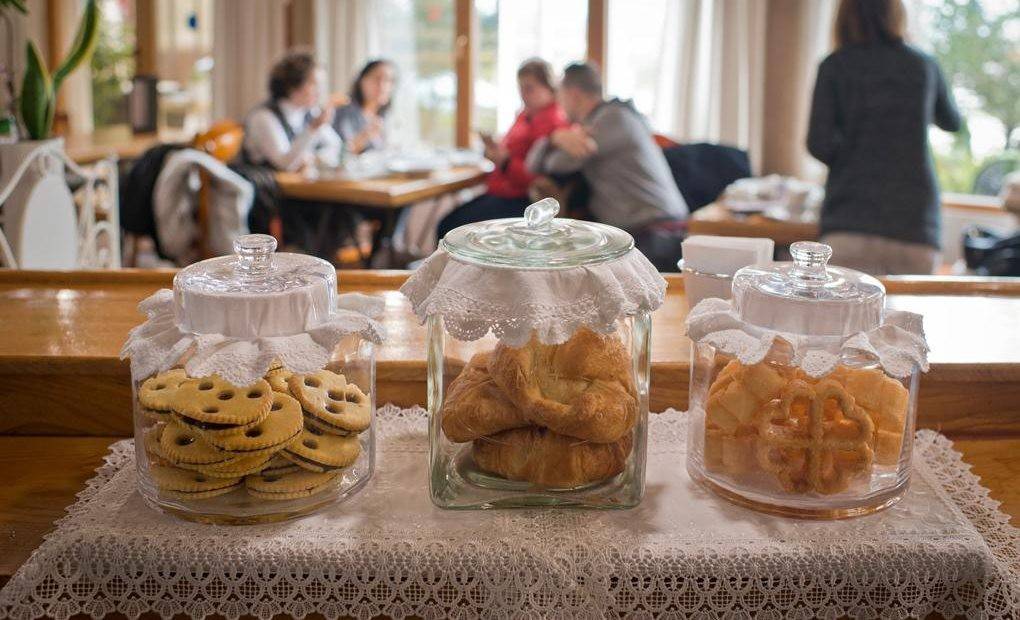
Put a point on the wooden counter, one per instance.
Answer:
(65, 395)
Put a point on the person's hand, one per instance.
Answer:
(339, 100)
(496, 154)
(575, 141)
(323, 118)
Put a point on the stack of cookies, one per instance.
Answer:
(286, 436)
(807, 435)
(558, 416)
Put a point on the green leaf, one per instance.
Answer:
(36, 95)
(84, 43)
(17, 5)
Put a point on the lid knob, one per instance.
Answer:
(254, 254)
(810, 259)
(540, 214)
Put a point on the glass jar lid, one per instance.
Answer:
(538, 241)
(807, 296)
(256, 292)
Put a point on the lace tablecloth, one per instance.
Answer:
(945, 548)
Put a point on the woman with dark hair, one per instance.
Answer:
(360, 122)
(874, 98)
(507, 186)
(290, 132)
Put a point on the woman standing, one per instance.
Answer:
(874, 98)
(507, 186)
(360, 122)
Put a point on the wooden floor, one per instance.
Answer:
(65, 395)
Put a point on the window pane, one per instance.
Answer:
(184, 62)
(418, 36)
(643, 50)
(510, 32)
(975, 43)
(113, 63)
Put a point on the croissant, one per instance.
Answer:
(474, 405)
(581, 388)
(548, 459)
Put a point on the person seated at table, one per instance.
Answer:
(873, 101)
(506, 192)
(611, 144)
(290, 132)
(360, 123)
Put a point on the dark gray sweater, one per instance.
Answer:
(869, 123)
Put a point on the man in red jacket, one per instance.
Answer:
(507, 186)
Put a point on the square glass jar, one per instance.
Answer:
(538, 363)
(253, 392)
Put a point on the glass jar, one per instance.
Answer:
(538, 363)
(253, 393)
(813, 424)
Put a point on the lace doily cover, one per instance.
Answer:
(388, 551)
(898, 345)
(160, 342)
(513, 303)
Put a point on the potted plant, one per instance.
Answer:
(39, 217)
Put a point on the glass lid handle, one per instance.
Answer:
(809, 262)
(539, 216)
(254, 254)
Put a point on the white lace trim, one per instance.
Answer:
(945, 548)
(159, 343)
(513, 303)
(899, 345)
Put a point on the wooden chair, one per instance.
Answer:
(223, 142)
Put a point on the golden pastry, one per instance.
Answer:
(581, 388)
(548, 459)
(474, 405)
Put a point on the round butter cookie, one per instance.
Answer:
(318, 451)
(213, 400)
(283, 424)
(183, 484)
(156, 393)
(183, 445)
(237, 467)
(289, 486)
(278, 465)
(333, 402)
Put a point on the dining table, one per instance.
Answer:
(384, 196)
(65, 393)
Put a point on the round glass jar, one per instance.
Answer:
(537, 393)
(258, 405)
(817, 426)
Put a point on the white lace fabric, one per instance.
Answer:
(898, 345)
(945, 548)
(160, 343)
(514, 303)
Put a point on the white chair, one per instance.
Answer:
(42, 224)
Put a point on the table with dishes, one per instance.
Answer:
(535, 419)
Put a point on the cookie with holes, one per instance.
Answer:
(318, 451)
(156, 394)
(150, 440)
(216, 401)
(337, 406)
(289, 486)
(182, 445)
(236, 467)
(178, 483)
(279, 465)
(283, 424)
(277, 379)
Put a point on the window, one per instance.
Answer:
(113, 63)
(510, 32)
(975, 43)
(418, 36)
(184, 63)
